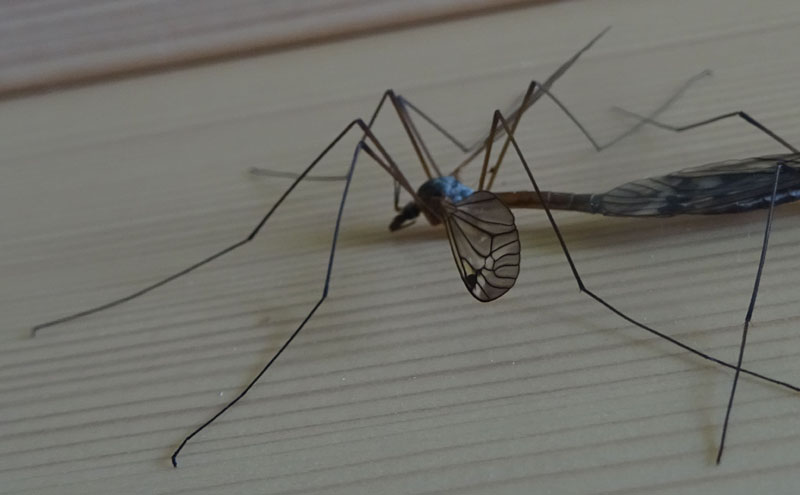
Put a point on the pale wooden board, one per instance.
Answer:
(48, 44)
(402, 383)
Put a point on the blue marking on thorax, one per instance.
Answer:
(448, 187)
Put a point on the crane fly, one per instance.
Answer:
(480, 227)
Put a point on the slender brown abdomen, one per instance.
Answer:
(554, 200)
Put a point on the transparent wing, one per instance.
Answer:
(723, 187)
(485, 244)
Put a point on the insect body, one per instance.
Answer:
(480, 226)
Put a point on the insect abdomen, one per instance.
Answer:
(554, 200)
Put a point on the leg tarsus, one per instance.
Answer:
(294, 334)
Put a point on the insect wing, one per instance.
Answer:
(485, 244)
(723, 187)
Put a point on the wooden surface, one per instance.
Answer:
(402, 383)
(48, 44)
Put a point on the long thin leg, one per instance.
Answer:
(598, 147)
(750, 309)
(499, 120)
(742, 115)
(302, 324)
(423, 154)
(420, 148)
(396, 184)
(388, 165)
(402, 104)
(414, 136)
(542, 89)
(436, 125)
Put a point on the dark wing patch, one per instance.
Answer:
(722, 187)
(485, 244)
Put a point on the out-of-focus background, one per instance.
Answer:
(48, 43)
(127, 129)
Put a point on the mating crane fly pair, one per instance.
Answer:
(480, 226)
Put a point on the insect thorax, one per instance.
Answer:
(444, 187)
